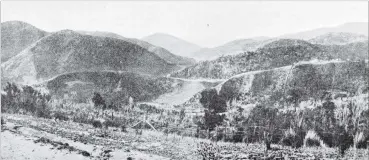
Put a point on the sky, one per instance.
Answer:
(204, 23)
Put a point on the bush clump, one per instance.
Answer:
(312, 139)
(361, 140)
(97, 124)
(111, 123)
(60, 116)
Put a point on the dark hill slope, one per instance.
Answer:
(68, 51)
(114, 86)
(173, 44)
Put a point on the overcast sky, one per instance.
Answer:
(204, 23)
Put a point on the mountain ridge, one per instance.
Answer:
(68, 51)
(16, 36)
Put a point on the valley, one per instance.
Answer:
(75, 94)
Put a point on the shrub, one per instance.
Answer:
(111, 123)
(97, 123)
(2, 121)
(238, 137)
(362, 143)
(138, 131)
(312, 139)
(123, 128)
(98, 100)
(289, 137)
(345, 142)
(82, 118)
(312, 142)
(60, 116)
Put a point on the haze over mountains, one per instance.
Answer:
(352, 27)
(342, 34)
(173, 44)
(230, 48)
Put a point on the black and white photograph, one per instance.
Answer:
(184, 80)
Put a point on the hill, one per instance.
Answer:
(352, 51)
(16, 36)
(338, 38)
(173, 44)
(113, 86)
(161, 52)
(303, 81)
(68, 51)
(352, 27)
(275, 54)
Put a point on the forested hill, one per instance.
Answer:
(68, 51)
(275, 54)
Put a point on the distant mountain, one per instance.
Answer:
(278, 53)
(353, 27)
(68, 51)
(173, 44)
(338, 38)
(231, 48)
(115, 87)
(161, 52)
(16, 36)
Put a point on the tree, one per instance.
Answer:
(294, 96)
(27, 100)
(98, 101)
(182, 114)
(265, 124)
(214, 105)
(10, 98)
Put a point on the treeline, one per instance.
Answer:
(17, 99)
(24, 100)
(343, 125)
